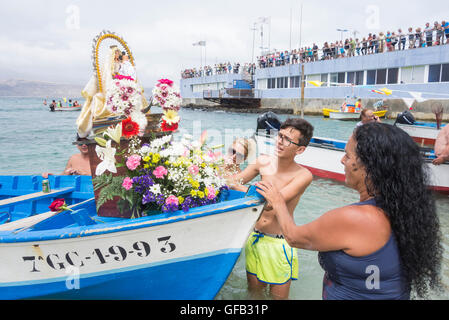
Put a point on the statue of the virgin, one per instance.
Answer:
(95, 106)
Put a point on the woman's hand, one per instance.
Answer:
(270, 193)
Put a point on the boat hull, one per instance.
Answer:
(324, 161)
(185, 256)
(345, 116)
(67, 109)
(421, 134)
(380, 113)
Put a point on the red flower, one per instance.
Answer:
(166, 127)
(129, 128)
(58, 205)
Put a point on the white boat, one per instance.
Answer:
(345, 116)
(424, 133)
(68, 108)
(79, 255)
(323, 158)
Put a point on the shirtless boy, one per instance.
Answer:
(269, 259)
(78, 164)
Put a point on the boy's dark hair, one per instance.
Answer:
(304, 127)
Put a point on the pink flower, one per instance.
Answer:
(160, 172)
(210, 193)
(127, 183)
(133, 162)
(171, 200)
(193, 170)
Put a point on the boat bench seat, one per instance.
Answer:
(34, 197)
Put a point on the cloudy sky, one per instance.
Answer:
(51, 40)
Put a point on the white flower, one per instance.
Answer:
(107, 155)
(140, 119)
(145, 150)
(156, 189)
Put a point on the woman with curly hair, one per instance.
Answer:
(387, 246)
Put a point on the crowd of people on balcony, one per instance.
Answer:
(428, 36)
(220, 68)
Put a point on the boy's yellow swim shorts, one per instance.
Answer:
(270, 258)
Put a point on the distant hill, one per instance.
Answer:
(25, 88)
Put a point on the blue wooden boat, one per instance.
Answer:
(79, 255)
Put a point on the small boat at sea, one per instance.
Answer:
(323, 158)
(80, 255)
(424, 133)
(344, 116)
(78, 108)
(327, 111)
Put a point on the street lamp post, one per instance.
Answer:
(342, 31)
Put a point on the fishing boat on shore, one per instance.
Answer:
(80, 255)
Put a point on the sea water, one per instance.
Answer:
(34, 140)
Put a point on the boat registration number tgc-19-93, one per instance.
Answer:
(116, 253)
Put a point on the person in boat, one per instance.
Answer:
(367, 116)
(358, 105)
(388, 245)
(442, 146)
(269, 258)
(79, 163)
(53, 105)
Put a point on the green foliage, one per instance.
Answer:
(110, 187)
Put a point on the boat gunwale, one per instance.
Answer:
(129, 224)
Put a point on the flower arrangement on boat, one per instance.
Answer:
(161, 176)
(167, 96)
(124, 97)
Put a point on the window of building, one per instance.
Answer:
(282, 82)
(334, 78)
(381, 76)
(434, 73)
(272, 83)
(445, 72)
(371, 77)
(341, 77)
(324, 77)
(294, 82)
(393, 75)
(359, 78)
(350, 78)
